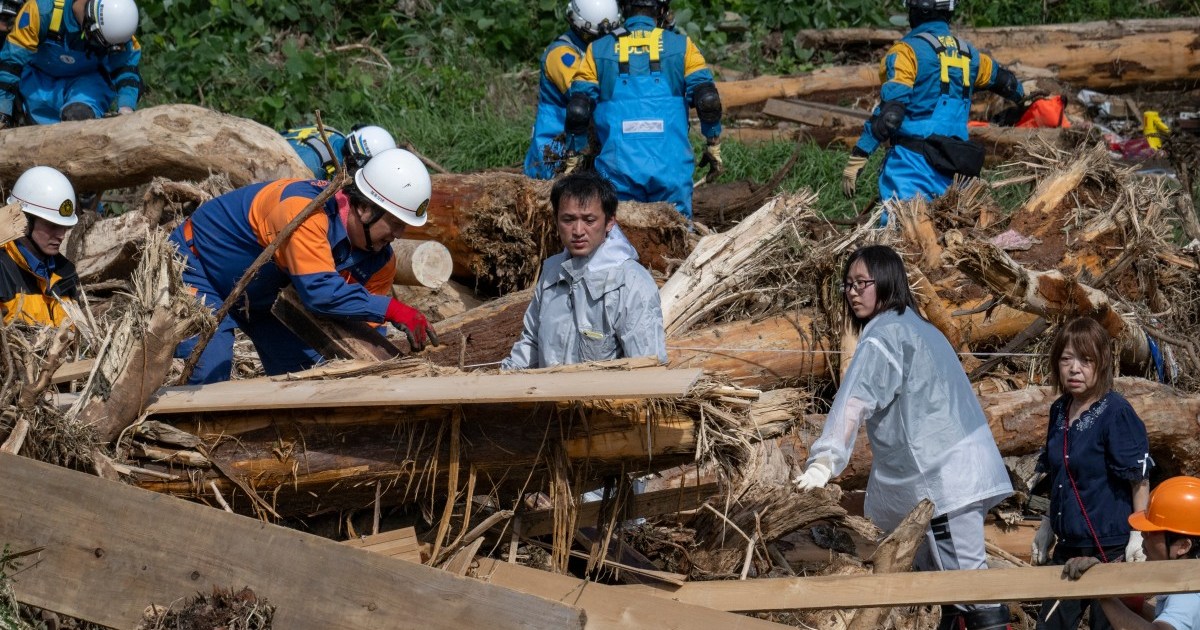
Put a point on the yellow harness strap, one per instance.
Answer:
(640, 42)
(56, 17)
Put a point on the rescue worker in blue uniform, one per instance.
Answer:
(589, 19)
(36, 280)
(928, 79)
(70, 60)
(340, 261)
(352, 150)
(636, 84)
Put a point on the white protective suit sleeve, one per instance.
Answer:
(525, 352)
(872, 383)
(640, 328)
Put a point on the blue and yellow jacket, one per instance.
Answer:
(47, 38)
(31, 290)
(330, 275)
(914, 72)
(560, 61)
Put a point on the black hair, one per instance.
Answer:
(891, 282)
(584, 186)
(918, 16)
(1171, 538)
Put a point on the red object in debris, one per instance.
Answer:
(1049, 111)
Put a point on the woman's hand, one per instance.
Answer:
(1039, 552)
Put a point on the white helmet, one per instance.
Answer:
(110, 23)
(593, 17)
(398, 182)
(365, 142)
(46, 193)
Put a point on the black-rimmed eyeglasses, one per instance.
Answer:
(857, 285)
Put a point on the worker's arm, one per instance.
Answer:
(18, 50)
(585, 89)
(897, 72)
(562, 62)
(123, 72)
(700, 90)
(525, 352)
(1120, 617)
(639, 325)
(997, 79)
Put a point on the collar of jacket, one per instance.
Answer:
(601, 271)
(640, 23)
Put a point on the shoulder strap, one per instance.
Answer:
(56, 20)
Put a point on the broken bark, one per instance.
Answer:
(895, 555)
(1052, 295)
(179, 142)
(499, 228)
(134, 362)
(721, 265)
(422, 263)
(483, 335)
(12, 222)
(333, 338)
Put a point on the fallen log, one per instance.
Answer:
(299, 447)
(1108, 64)
(1001, 36)
(1018, 420)
(332, 337)
(499, 227)
(179, 142)
(483, 335)
(765, 354)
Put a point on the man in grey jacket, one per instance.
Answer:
(593, 300)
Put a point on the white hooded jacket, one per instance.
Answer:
(604, 306)
(929, 436)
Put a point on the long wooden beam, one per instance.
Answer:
(108, 550)
(611, 606)
(937, 587)
(383, 391)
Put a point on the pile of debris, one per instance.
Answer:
(446, 462)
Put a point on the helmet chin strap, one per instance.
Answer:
(366, 227)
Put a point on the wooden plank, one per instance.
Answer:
(613, 607)
(815, 114)
(937, 587)
(399, 543)
(647, 504)
(111, 549)
(72, 371)
(382, 391)
(333, 338)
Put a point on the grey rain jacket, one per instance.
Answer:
(929, 437)
(601, 307)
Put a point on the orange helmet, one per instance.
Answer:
(1174, 507)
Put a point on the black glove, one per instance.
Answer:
(1076, 567)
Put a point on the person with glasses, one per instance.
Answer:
(929, 437)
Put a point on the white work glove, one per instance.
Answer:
(124, 110)
(1133, 550)
(1039, 552)
(816, 476)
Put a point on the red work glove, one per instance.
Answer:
(412, 323)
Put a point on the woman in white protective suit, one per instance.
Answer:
(929, 437)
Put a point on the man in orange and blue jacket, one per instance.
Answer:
(340, 259)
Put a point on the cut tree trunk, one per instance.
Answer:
(499, 227)
(1018, 420)
(179, 142)
(1138, 60)
(333, 338)
(895, 555)
(422, 263)
(482, 335)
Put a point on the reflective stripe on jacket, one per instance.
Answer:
(602, 307)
